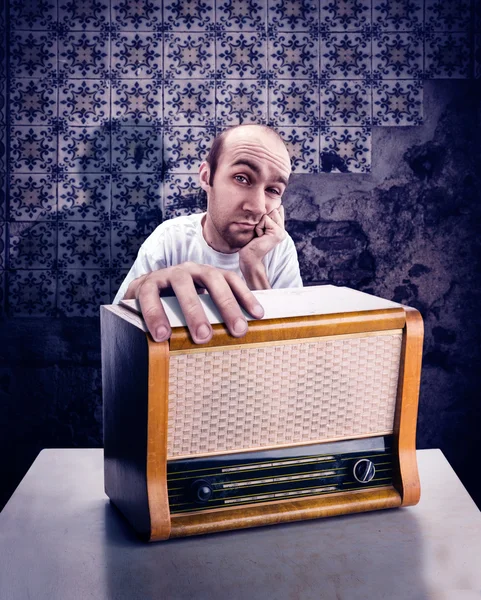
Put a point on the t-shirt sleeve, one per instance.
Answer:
(286, 268)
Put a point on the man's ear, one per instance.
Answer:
(204, 175)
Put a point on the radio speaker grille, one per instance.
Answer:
(271, 395)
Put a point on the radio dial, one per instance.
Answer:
(364, 470)
(201, 491)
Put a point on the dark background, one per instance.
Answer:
(409, 230)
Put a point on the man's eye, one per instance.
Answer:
(273, 191)
(240, 178)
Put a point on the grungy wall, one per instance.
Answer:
(407, 231)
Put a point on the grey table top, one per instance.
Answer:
(60, 538)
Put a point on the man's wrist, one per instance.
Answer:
(255, 274)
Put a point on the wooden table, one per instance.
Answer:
(60, 538)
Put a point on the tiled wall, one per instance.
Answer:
(111, 106)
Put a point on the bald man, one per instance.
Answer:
(238, 245)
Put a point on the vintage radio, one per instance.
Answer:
(311, 414)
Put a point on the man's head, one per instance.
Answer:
(244, 176)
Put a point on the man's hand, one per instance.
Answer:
(225, 287)
(269, 231)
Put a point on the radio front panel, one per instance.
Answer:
(214, 482)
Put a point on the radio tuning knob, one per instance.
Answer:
(364, 470)
(201, 491)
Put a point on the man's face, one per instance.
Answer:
(251, 176)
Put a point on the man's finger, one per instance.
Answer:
(152, 310)
(244, 295)
(186, 293)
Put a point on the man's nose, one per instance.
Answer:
(255, 202)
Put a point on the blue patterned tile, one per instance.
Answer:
(345, 149)
(33, 54)
(397, 56)
(447, 56)
(2, 293)
(137, 102)
(137, 150)
(477, 56)
(81, 292)
(188, 56)
(397, 15)
(398, 103)
(91, 15)
(241, 15)
(32, 198)
(136, 196)
(345, 15)
(303, 146)
(84, 102)
(186, 147)
(84, 149)
(3, 196)
(346, 103)
(293, 102)
(32, 149)
(194, 15)
(31, 293)
(241, 55)
(117, 277)
(127, 237)
(32, 101)
(3, 98)
(182, 196)
(345, 56)
(140, 15)
(36, 14)
(241, 101)
(137, 55)
(294, 15)
(189, 102)
(454, 15)
(3, 56)
(3, 244)
(32, 245)
(84, 55)
(83, 244)
(294, 56)
(84, 197)
(3, 148)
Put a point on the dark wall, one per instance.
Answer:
(408, 231)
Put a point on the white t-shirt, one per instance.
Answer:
(181, 239)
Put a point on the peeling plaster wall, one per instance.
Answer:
(408, 231)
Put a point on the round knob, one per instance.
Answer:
(201, 491)
(364, 470)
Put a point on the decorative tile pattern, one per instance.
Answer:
(346, 103)
(84, 55)
(84, 197)
(3, 245)
(137, 55)
(31, 293)
(32, 245)
(136, 197)
(398, 103)
(294, 15)
(117, 276)
(137, 15)
(85, 244)
(183, 196)
(241, 55)
(346, 150)
(345, 56)
(194, 15)
(241, 101)
(189, 102)
(447, 56)
(303, 145)
(397, 15)
(137, 102)
(137, 149)
(185, 148)
(127, 237)
(32, 101)
(38, 15)
(91, 15)
(345, 15)
(448, 16)
(293, 102)
(32, 149)
(294, 55)
(397, 56)
(33, 54)
(85, 102)
(84, 149)
(241, 15)
(80, 292)
(3, 196)
(189, 56)
(32, 198)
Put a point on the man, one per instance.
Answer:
(238, 245)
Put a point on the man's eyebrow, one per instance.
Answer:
(255, 168)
